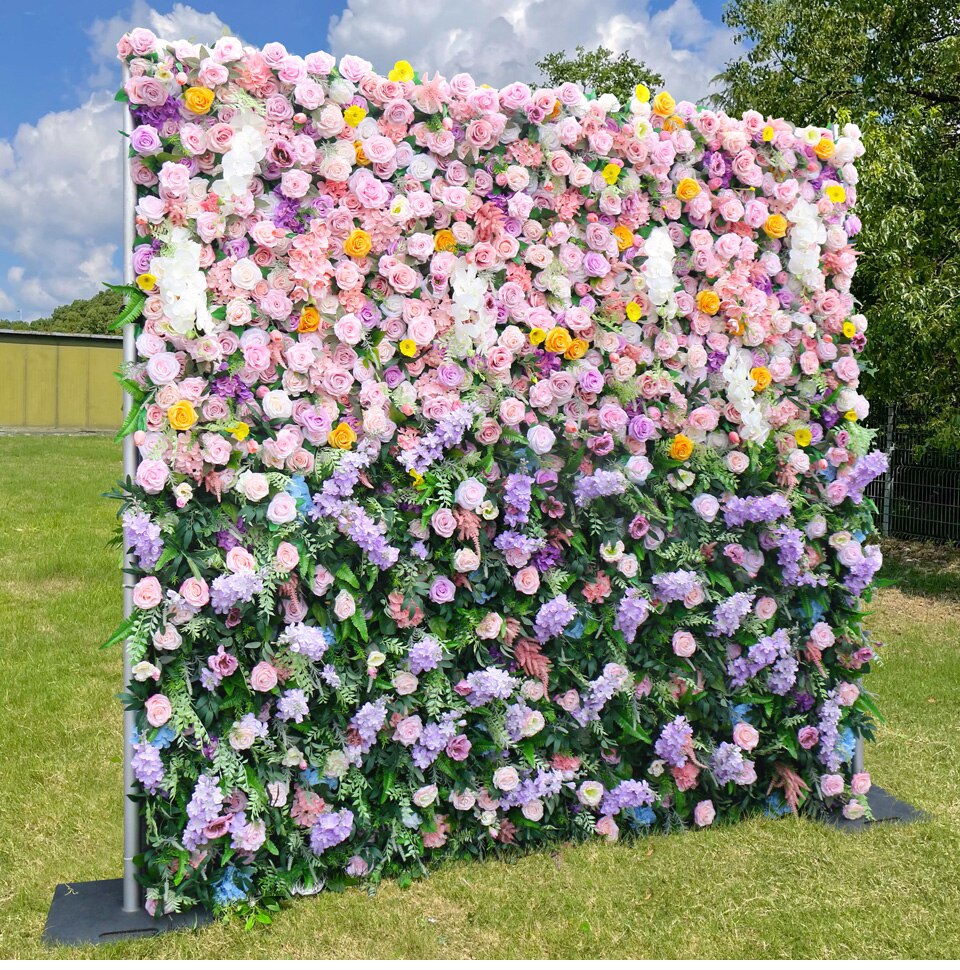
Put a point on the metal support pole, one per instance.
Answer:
(131, 811)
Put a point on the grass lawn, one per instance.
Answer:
(762, 889)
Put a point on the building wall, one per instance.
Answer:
(59, 381)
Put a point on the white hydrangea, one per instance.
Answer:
(657, 271)
(807, 235)
(182, 284)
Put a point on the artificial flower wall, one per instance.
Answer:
(501, 474)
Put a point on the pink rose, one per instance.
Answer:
(426, 796)
(287, 557)
(344, 605)
(443, 523)
(608, 828)
(408, 730)
(684, 644)
(405, 683)
(745, 736)
(822, 636)
(159, 710)
(263, 677)
(195, 592)
(152, 475)
(860, 783)
(240, 560)
(704, 813)
(766, 607)
(489, 627)
(147, 593)
(527, 581)
(808, 737)
(831, 785)
(847, 694)
(506, 778)
(282, 508)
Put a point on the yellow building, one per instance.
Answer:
(59, 381)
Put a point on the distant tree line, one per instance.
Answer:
(82, 316)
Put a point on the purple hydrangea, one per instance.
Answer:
(729, 613)
(600, 484)
(755, 508)
(631, 614)
(204, 807)
(553, 618)
(142, 535)
(628, 794)
(331, 829)
(293, 706)
(516, 499)
(488, 685)
(675, 586)
(310, 641)
(674, 740)
(147, 766)
(424, 655)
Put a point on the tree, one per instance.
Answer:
(893, 68)
(599, 71)
(82, 316)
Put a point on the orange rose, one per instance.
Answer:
(708, 302)
(342, 436)
(623, 236)
(361, 155)
(687, 189)
(558, 341)
(775, 226)
(824, 149)
(761, 378)
(182, 416)
(309, 320)
(357, 244)
(445, 241)
(681, 448)
(198, 100)
(663, 104)
(577, 349)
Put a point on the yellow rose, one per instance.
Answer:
(803, 437)
(402, 71)
(309, 319)
(342, 436)
(623, 236)
(708, 302)
(775, 226)
(687, 189)
(642, 93)
(836, 193)
(761, 378)
(357, 244)
(445, 241)
(849, 329)
(408, 348)
(198, 100)
(354, 115)
(558, 341)
(146, 282)
(610, 173)
(634, 311)
(663, 104)
(577, 349)
(823, 149)
(768, 133)
(182, 415)
(673, 123)
(239, 429)
(537, 336)
(681, 448)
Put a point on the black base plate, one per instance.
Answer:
(885, 808)
(92, 912)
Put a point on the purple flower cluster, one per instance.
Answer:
(774, 651)
(448, 433)
(726, 764)
(675, 586)
(433, 739)
(631, 614)
(628, 794)
(600, 484)
(755, 508)
(553, 618)
(829, 730)
(203, 808)
(863, 570)
(331, 829)
(489, 684)
(310, 641)
(533, 787)
(599, 693)
(147, 766)
(868, 468)
(293, 706)
(674, 741)
(729, 614)
(228, 589)
(517, 493)
(424, 655)
(368, 721)
(142, 535)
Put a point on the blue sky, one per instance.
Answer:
(60, 156)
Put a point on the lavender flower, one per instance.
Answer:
(553, 618)
(600, 484)
(674, 740)
(424, 655)
(488, 685)
(631, 614)
(331, 829)
(142, 535)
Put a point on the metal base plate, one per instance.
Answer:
(885, 808)
(92, 912)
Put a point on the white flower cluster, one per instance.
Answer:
(657, 271)
(473, 330)
(736, 373)
(247, 150)
(806, 237)
(182, 284)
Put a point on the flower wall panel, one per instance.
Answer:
(501, 474)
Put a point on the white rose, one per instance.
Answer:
(245, 274)
(277, 404)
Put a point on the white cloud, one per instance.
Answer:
(501, 40)
(6, 304)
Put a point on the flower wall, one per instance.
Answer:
(501, 470)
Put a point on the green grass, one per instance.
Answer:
(761, 889)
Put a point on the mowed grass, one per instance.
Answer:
(759, 889)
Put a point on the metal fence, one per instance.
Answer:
(919, 498)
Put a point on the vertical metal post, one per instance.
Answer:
(888, 481)
(131, 812)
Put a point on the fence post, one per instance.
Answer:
(888, 481)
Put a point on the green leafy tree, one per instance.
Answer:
(893, 68)
(599, 71)
(82, 316)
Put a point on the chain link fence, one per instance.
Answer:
(919, 498)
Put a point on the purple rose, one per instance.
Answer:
(459, 747)
(442, 590)
(145, 140)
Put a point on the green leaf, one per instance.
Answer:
(346, 575)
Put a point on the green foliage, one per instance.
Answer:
(893, 68)
(599, 71)
(94, 315)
